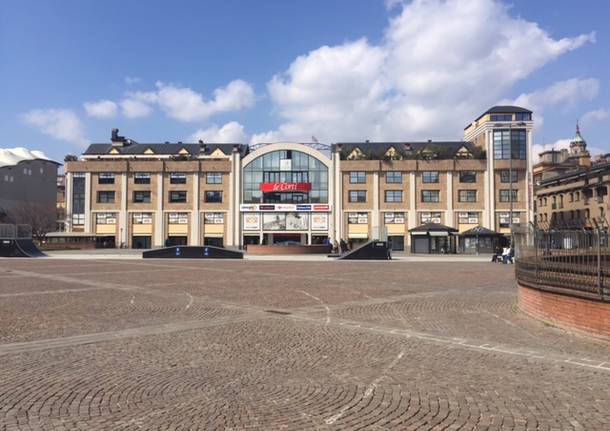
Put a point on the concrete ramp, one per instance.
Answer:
(28, 248)
(19, 248)
(192, 252)
(372, 250)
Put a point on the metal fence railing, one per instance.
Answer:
(568, 261)
(15, 231)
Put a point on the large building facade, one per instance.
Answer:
(571, 188)
(28, 180)
(149, 195)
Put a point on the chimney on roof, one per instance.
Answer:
(429, 140)
(367, 141)
(118, 141)
(202, 147)
(167, 142)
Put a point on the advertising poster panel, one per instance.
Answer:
(274, 221)
(252, 221)
(297, 221)
(319, 221)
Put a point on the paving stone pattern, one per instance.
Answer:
(206, 345)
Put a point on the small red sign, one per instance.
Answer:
(285, 187)
(321, 207)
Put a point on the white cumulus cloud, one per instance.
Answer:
(231, 132)
(562, 144)
(61, 124)
(185, 104)
(101, 109)
(138, 104)
(595, 115)
(562, 94)
(439, 65)
(558, 145)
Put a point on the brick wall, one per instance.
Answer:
(565, 311)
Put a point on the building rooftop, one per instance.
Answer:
(410, 150)
(166, 149)
(576, 172)
(121, 146)
(501, 109)
(13, 156)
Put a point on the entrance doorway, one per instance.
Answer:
(140, 242)
(250, 240)
(176, 240)
(397, 243)
(318, 239)
(105, 242)
(216, 242)
(285, 238)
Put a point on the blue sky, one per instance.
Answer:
(340, 70)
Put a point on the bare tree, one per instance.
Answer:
(42, 218)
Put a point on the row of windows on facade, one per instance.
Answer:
(431, 177)
(571, 215)
(470, 217)
(147, 218)
(393, 196)
(431, 217)
(518, 116)
(174, 178)
(26, 171)
(572, 197)
(175, 196)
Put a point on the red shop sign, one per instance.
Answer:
(285, 187)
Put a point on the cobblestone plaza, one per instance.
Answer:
(266, 345)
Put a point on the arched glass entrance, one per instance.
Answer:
(285, 199)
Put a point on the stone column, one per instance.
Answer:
(159, 240)
(123, 220)
(338, 207)
(376, 231)
(69, 192)
(88, 227)
(331, 198)
(195, 216)
(449, 218)
(491, 186)
(412, 215)
(230, 216)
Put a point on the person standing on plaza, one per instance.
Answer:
(505, 255)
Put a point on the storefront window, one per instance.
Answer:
(177, 218)
(105, 218)
(468, 217)
(428, 217)
(357, 218)
(214, 218)
(394, 218)
(142, 218)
